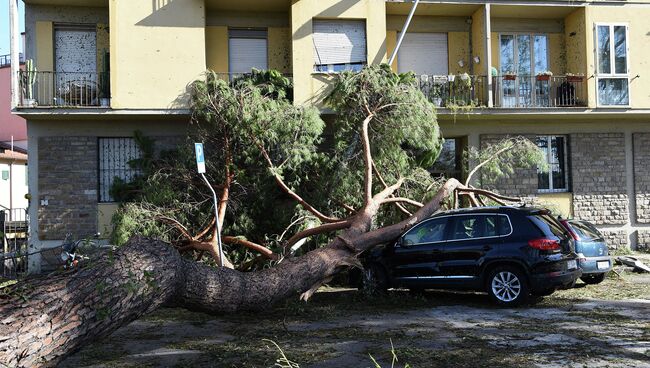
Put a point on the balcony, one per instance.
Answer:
(454, 90)
(64, 90)
(540, 91)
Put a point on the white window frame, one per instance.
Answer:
(612, 61)
(552, 189)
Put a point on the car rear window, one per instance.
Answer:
(585, 231)
(548, 225)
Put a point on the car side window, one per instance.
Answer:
(468, 227)
(426, 232)
(505, 228)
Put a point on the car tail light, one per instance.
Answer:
(566, 225)
(544, 244)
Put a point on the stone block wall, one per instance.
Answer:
(643, 240)
(67, 180)
(616, 239)
(642, 176)
(598, 177)
(523, 183)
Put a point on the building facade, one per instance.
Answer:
(570, 75)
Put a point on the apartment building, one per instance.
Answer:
(571, 75)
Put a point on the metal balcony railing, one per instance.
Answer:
(62, 89)
(6, 59)
(454, 90)
(533, 91)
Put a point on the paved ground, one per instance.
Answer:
(607, 325)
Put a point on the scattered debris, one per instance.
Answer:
(633, 262)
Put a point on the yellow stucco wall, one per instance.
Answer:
(559, 203)
(157, 49)
(216, 48)
(279, 49)
(478, 42)
(309, 87)
(458, 49)
(391, 43)
(105, 212)
(44, 46)
(636, 17)
(575, 36)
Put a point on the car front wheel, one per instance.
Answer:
(593, 279)
(507, 286)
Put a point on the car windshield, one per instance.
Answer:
(585, 231)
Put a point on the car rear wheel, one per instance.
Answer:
(507, 286)
(374, 280)
(593, 279)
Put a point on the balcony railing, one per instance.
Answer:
(6, 59)
(62, 89)
(530, 91)
(454, 90)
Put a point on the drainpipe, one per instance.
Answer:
(488, 53)
(14, 35)
(11, 180)
(403, 33)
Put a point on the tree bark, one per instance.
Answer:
(47, 318)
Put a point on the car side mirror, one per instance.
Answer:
(407, 243)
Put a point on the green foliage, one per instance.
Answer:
(502, 158)
(404, 134)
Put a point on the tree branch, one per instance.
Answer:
(251, 245)
(367, 158)
(325, 228)
(402, 200)
(493, 156)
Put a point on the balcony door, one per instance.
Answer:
(75, 65)
(523, 55)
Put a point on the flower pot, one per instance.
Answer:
(543, 77)
(574, 78)
(510, 77)
(105, 102)
(451, 77)
(29, 102)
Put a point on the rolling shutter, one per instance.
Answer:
(339, 42)
(247, 49)
(424, 54)
(75, 49)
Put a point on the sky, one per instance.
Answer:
(4, 24)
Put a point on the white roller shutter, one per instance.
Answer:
(245, 54)
(339, 41)
(424, 54)
(75, 49)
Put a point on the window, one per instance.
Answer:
(339, 45)
(423, 54)
(613, 66)
(114, 157)
(480, 226)
(247, 49)
(426, 232)
(450, 160)
(555, 179)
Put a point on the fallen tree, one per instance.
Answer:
(44, 319)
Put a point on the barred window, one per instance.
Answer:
(114, 157)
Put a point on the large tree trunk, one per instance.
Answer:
(47, 318)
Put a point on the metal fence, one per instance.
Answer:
(539, 91)
(454, 90)
(14, 224)
(6, 59)
(59, 89)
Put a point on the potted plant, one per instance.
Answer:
(574, 78)
(27, 82)
(544, 76)
(509, 75)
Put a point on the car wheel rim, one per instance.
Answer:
(506, 286)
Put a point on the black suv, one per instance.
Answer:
(510, 252)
